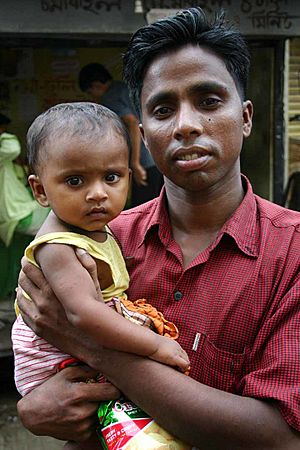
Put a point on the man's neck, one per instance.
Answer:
(204, 209)
(197, 217)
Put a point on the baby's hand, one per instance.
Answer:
(171, 353)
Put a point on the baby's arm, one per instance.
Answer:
(75, 289)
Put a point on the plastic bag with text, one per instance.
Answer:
(123, 425)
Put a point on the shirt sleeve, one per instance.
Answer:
(273, 371)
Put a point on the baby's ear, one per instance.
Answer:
(38, 190)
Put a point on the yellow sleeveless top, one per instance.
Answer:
(108, 251)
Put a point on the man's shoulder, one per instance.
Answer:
(118, 87)
(278, 216)
(117, 99)
(119, 84)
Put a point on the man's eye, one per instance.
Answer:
(112, 177)
(211, 101)
(74, 181)
(162, 111)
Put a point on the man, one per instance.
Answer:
(222, 263)
(96, 80)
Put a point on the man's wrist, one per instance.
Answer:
(92, 356)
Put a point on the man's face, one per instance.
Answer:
(96, 90)
(193, 120)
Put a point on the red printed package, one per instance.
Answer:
(123, 425)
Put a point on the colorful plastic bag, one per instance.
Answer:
(123, 425)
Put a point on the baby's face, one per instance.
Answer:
(86, 181)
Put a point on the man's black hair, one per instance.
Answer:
(92, 72)
(189, 26)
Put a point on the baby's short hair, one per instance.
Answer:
(65, 120)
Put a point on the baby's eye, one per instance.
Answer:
(74, 181)
(112, 177)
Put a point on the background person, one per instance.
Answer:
(96, 80)
(19, 211)
(20, 218)
(222, 262)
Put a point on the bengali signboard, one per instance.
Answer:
(68, 16)
(253, 17)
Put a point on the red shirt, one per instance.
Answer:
(237, 306)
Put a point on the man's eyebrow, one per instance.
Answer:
(160, 97)
(208, 86)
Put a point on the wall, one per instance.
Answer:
(33, 79)
(256, 157)
(111, 17)
(294, 107)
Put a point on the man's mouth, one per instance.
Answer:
(190, 153)
(192, 158)
(189, 157)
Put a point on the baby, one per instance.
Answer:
(78, 154)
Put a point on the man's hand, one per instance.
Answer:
(65, 406)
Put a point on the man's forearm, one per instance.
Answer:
(198, 414)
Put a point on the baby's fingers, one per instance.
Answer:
(183, 363)
(184, 356)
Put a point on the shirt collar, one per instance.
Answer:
(241, 226)
(158, 219)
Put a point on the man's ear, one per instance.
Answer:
(247, 116)
(38, 190)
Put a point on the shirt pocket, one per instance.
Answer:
(216, 367)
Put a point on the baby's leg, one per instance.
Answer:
(35, 359)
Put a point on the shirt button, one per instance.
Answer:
(178, 295)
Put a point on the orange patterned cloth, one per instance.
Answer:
(142, 313)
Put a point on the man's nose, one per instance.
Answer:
(97, 192)
(188, 123)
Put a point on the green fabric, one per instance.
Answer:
(19, 211)
(15, 200)
(30, 225)
(10, 258)
(24, 224)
